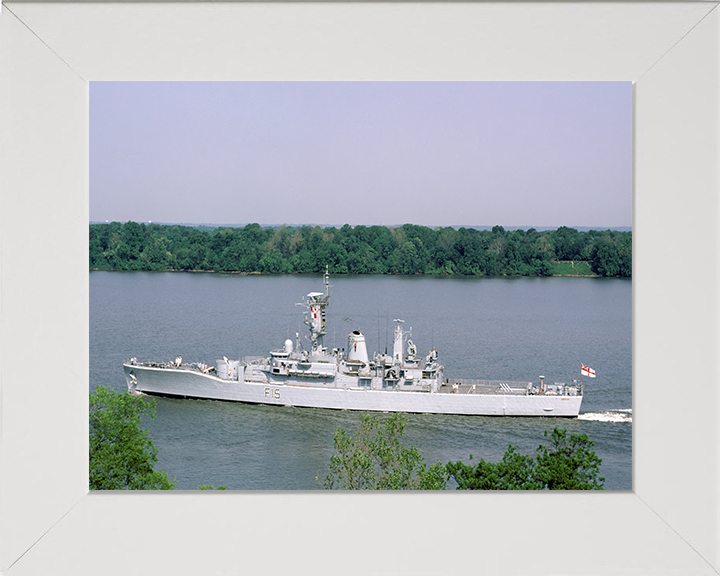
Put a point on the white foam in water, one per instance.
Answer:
(619, 415)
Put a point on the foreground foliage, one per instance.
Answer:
(406, 249)
(568, 463)
(122, 456)
(565, 463)
(375, 459)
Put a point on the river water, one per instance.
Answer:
(494, 328)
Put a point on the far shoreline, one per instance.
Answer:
(255, 273)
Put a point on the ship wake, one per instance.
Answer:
(617, 415)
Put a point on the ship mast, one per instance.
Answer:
(316, 303)
(398, 342)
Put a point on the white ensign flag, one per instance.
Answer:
(585, 371)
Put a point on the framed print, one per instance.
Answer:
(49, 52)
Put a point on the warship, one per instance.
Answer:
(347, 379)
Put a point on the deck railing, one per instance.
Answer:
(504, 387)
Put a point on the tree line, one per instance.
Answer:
(376, 459)
(123, 457)
(406, 249)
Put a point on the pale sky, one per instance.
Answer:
(543, 154)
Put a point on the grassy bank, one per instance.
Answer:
(572, 268)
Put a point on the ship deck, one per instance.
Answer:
(481, 389)
(485, 387)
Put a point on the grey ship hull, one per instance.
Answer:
(288, 391)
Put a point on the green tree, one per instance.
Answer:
(566, 463)
(625, 254)
(132, 236)
(273, 263)
(375, 459)
(568, 243)
(122, 456)
(514, 472)
(605, 258)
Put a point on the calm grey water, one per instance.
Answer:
(495, 328)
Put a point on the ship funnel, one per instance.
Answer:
(357, 350)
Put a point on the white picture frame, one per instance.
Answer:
(668, 523)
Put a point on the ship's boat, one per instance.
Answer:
(347, 379)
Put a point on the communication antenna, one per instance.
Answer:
(378, 338)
